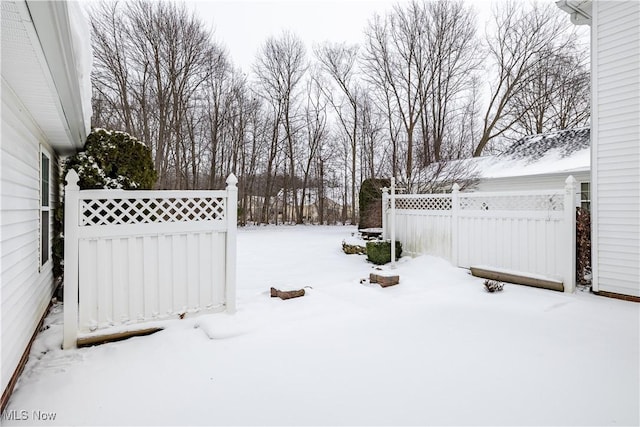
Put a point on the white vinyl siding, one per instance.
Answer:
(616, 146)
(26, 288)
(553, 181)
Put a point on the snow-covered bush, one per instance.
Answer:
(379, 251)
(113, 159)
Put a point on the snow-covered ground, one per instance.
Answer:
(435, 349)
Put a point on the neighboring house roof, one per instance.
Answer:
(552, 152)
(565, 142)
(565, 151)
(46, 65)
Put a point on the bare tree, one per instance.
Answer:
(216, 96)
(152, 59)
(395, 62)
(316, 132)
(371, 134)
(338, 61)
(279, 68)
(557, 96)
(439, 177)
(523, 36)
(572, 100)
(111, 77)
(421, 61)
(453, 60)
(409, 102)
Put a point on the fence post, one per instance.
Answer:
(570, 233)
(232, 225)
(455, 212)
(385, 203)
(393, 222)
(70, 288)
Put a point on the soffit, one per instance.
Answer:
(25, 71)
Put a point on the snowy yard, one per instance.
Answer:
(436, 349)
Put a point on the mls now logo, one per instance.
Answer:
(24, 415)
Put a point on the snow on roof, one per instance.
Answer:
(552, 152)
(535, 147)
(83, 53)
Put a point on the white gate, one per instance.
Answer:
(139, 256)
(527, 231)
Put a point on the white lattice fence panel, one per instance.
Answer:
(151, 210)
(138, 256)
(427, 203)
(537, 202)
(531, 232)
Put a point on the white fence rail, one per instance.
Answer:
(531, 232)
(138, 256)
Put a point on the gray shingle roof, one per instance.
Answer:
(534, 147)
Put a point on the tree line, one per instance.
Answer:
(304, 128)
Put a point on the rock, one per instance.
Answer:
(286, 294)
(384, 280)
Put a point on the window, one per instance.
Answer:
(44, 208)
(585, 196)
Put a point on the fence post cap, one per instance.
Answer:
(72, 178)
(232, 180)
(570, 180)
(455, 187)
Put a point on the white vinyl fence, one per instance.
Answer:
(531, 232)
(139, 256)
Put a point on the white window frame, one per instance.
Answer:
(585, 200)
(42, 208)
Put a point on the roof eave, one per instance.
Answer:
(579, 10)
(51, 22)
(579, 170)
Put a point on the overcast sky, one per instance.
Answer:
(244, 25)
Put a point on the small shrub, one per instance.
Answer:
(379, 252)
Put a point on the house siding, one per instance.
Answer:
(616, 146)
(26, 286)
(553, 181)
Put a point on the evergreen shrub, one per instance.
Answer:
(379, 251)
(113, 159)
(370, 202)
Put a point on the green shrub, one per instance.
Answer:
(379, 251)
(113, 159)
